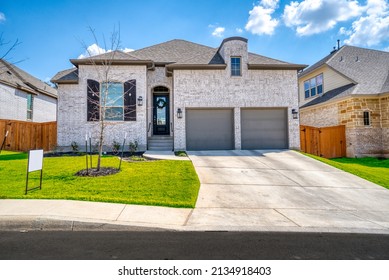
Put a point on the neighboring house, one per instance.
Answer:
(24, 97)
(184, 96)
(350, 87)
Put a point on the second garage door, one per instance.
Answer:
(209, 129)
(264, 129)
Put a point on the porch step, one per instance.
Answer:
(160, 143)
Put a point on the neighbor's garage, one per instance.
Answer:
(209, 129)
(264, 128)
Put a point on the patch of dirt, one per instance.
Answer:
(104, 171)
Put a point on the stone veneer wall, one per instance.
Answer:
(361, 140)
(72, 109)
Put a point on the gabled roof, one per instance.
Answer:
(367, 68)
(69, 76)
(15, 77)
(177, 54)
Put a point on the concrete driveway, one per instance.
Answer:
(283, 190)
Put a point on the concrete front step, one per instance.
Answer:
(160, 143)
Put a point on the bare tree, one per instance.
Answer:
(107, 100)
(6, 47)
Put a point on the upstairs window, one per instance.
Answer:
(235, 66)
(313, 86)
(112, 100)
(366, 118)
(30, 101)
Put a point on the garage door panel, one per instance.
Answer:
(209, 129)
(264, 129)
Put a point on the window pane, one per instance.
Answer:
(235, 66)
(366, 118)
(306, 85)
(114, 94)
(307, 93)
(319, 79)
(313, 82)
(114, 113)
(320, 89)
(313, 91)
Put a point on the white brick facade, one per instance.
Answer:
(200, 88)
(13, 105)
(72, 109)
(216, 89)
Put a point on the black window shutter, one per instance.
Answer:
(130, 100)
(93, 100)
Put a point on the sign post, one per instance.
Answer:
(5, 138)
(35, 163)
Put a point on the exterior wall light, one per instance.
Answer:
(179, 113)
(140, 101)
(295, 114)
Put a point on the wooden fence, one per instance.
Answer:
(328, 142)
(24, 136)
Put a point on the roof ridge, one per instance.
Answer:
(173, 40)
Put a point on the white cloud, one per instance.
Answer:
(239, 30)
(373, 27)
(218, 32)
(317, 16)
(386, 49)
(273, 4)
(94, 49)
(127, 50)
(2, 17)
(260, 18)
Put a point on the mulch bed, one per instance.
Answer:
(104, 171)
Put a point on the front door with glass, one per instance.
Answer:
(161, 115)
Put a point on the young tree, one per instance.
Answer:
(107, 100)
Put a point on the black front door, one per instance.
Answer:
(161, 115)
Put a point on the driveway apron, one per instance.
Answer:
(283, 190)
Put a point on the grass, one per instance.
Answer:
(372, 169)
(163, 183)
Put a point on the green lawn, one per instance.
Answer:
(164, 183)
(371, 169)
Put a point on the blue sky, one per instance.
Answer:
(302, 31)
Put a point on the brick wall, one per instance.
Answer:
(72, 109)
(13, 105)
(255, 89)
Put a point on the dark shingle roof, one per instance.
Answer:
(69, 76)
(335, 93)
(180, 54)
(15, 77)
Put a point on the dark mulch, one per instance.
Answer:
(104, 171)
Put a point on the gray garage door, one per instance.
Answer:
(264, 129)
(209, 129)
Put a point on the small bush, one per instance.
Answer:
(180, 154)
(115, 147)
(133, 147)
(74, 146)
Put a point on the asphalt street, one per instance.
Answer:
(167, 245)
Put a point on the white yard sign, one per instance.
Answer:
(35, 160)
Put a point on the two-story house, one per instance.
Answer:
(350, 87)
